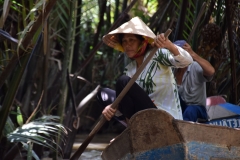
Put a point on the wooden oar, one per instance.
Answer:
(102, 120)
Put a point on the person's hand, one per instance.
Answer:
(111, 41)
(108, 112)
(162, 42)
(188, 48)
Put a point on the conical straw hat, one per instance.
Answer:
(134, 26)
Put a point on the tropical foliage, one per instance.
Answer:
(42, 131)
(52, 56)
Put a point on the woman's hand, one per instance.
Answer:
(109, 112)
(162, 42)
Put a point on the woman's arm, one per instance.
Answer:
(162, 42)
(172, 54)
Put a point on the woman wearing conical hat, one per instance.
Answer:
(155, 86)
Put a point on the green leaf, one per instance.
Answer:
(36, 8)
(43, 131)
(19, 117)
(26, 147)
(30, 147)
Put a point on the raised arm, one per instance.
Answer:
(208, 69)
(162, 42)
(171, 54)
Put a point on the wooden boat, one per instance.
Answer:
(155, 135)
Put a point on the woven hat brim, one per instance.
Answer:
(134, 26)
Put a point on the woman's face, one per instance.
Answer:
(130, 44)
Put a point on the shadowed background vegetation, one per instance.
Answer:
(53, 61)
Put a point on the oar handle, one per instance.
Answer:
(102, 120)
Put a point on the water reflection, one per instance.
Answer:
(91, 155)
(95, 147)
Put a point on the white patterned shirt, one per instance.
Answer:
(158, 80)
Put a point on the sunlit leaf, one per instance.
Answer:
(36, 8)
(43, 131)
(19, 116)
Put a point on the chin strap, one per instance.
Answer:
(141, 49)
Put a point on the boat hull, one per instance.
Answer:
(155, 134)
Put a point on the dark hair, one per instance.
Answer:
(120, 37)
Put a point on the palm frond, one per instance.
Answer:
(36, 8)
(43, 131)
(28, 148)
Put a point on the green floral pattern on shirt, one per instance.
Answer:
(158, 80)
(176, 95)
(147, 81)
(163, 58)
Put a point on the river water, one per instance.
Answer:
(91, 155)
(92, 152)
(95, 148)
